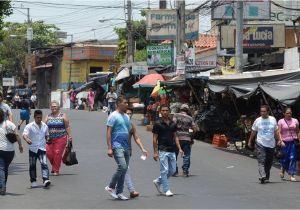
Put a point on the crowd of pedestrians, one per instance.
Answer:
(46, 140)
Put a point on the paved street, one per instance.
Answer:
(219, 179)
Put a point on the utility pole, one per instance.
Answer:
(180, 26)
(71, 61)
(130, 53)
(239, 37)
(29, 39)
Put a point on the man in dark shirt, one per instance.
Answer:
(185, 125)
(165, 142)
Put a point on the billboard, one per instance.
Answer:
(139, 69)
(253, 9)
(255, 36)
(159, 54)
(161, 24)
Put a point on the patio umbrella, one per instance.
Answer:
(149, 80)
(158, 90)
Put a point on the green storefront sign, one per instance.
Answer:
(159, 54)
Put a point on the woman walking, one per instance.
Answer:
(289, 132)
(24, 112)
(7, 150)
(91, 99)
(59, 134)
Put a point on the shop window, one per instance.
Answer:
(96, 69)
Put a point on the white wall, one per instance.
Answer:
(291, 59)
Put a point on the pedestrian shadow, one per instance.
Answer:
(64, 175)
(13, 194)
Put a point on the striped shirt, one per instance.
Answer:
(56, 126)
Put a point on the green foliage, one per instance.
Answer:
(5, 10)
(139, 37)
(140, 55)
(13, 50)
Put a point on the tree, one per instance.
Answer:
(5, 10)
(139, 36)
(13, 50)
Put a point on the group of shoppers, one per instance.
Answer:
(46, 139)
(169, 137)
(269, 134)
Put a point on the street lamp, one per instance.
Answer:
(104, 20)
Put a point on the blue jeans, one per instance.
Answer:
(111, 107)
(5, 159)
(122, 159)
(167, 162)
(186, 147)
(41, 155)
(128, 181)
(289, 160)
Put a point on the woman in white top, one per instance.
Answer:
(7, 150)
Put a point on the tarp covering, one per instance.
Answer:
(98, 81)
(173, 83)
(149, 80)
(286, 92)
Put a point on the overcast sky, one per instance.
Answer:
(80, 17)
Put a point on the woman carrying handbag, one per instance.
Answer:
(7, 149)
(59, 134)
(289, 133)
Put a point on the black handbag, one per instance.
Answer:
(10, 135)
(278, 153)
(69, 157)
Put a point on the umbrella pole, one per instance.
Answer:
(193, 91)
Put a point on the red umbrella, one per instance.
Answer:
(149, 80)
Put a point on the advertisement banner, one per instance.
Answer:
(253, 10)
(161, 24)
(139, 69)
(180, 65)
(159, 54)
(8, 81)
(255, 36)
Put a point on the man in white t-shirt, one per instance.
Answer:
(35, 135)
(111, 99)
(266, 131)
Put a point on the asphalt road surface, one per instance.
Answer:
(219, 179)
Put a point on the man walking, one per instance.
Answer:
(165, 141)
(117, 134)
(266, 130)
(185, 124)
(133, 133)
(111, 99)
(35, 135)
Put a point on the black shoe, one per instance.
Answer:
(175, 174)
(185, 173)
(19, 127)
(262, 180)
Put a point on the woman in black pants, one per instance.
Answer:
(7, 150)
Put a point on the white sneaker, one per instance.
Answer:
(112, 192)
(157, 185)
(47, 183)
(169, 193)
(34, 184)
(122, 197)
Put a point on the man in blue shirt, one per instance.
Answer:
(117, 133)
